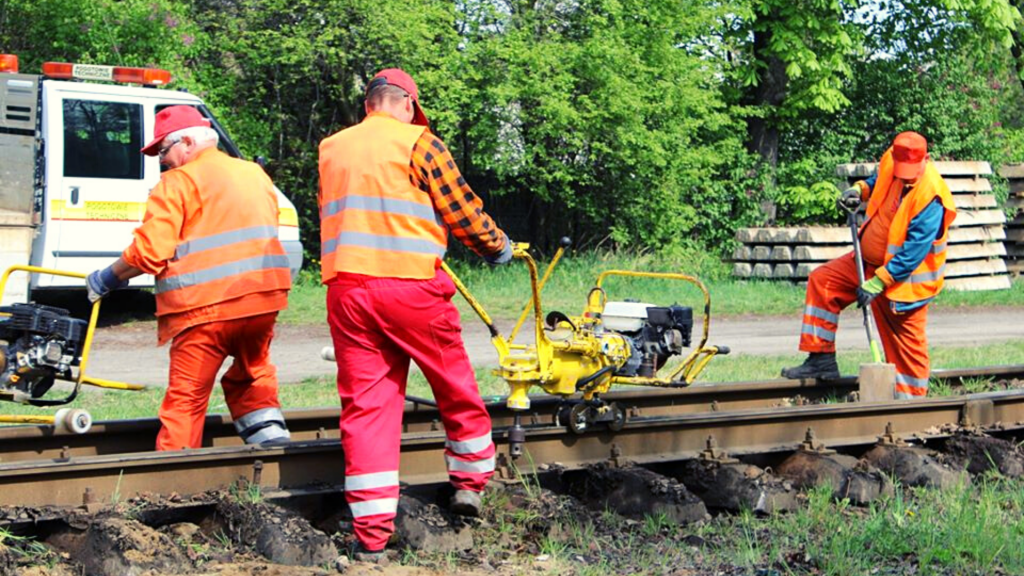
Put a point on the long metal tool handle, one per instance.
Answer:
(876, 353)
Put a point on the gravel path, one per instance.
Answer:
(128, 352)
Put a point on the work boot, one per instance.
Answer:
(466, 503)
(361, 554)
(820, 365)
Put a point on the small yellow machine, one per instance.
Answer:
(41, 344)
(611, 342)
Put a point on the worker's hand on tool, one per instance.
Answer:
(102, 282)
(867, 291)
(850, 199)
(503, 257)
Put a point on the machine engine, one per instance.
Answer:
(39, 344)
(655, 333)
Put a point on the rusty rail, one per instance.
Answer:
(121, 437)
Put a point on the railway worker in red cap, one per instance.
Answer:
(210, 237)
(903, 241)
(389, 194)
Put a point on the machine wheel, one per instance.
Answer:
(562, 414)
(618, 417)
(579, 418)
(75, 420)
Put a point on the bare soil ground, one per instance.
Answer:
(598, 521)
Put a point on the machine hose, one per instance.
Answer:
(582, 383)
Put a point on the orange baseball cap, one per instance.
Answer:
(401, 79)
(909, 154)
(172, 119)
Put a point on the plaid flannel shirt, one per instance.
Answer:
(435, 172)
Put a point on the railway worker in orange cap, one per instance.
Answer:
(389, 194)
(903, 241)
(210, 237)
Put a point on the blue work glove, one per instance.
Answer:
(503, 257)
(102, 282)
(850, 199)
(867, 291)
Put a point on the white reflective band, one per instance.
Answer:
(382, 242)
(189, 279)
(911, 381)
(821, 313)
(478, 467)
(374, 507)
(470, 446)
(927, 276)
(383, 205)
(271, 432)
(818, 332)
(224, 239)
(371, 481)
(904, 396)
(258, 417)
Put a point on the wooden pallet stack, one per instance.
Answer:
(975, 260)
(1014, 174)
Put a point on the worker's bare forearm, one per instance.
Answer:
(125, 271)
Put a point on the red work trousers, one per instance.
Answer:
(831, 288)
(378, 325)
(197, 354)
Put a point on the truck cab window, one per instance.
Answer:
(102, 139)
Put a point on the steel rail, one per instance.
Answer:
(646, 439)
(133, 436)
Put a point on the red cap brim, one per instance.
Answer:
(418, 117)
(153, 148)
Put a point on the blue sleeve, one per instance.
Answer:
(871, 181)
(922, 232)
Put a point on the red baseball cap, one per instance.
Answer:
(172, 119)
(398, 77)
(909, 154)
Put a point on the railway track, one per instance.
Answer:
(38, 468)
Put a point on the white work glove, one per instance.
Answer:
(103, 282)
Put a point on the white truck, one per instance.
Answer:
(73, 184)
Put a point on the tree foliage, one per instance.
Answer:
(625, 122)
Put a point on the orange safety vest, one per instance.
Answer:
(231, 249)
(927, 279)
(373, 219)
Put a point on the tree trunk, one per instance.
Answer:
(766, 96)
(1015, 49)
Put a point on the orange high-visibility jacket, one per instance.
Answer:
(373, 219)
(226, 246)
(927, 279)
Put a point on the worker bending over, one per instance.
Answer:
(389, 194)
(903, 241)
(210, 237)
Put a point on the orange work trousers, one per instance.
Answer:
(831, 288)
(197, 354)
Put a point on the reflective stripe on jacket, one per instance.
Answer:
(227, 246)
(373, 219)
(927, 279)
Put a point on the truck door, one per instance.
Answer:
(95, 172)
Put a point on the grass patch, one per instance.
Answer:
(321, 391)
(968, 529)
(504, 291)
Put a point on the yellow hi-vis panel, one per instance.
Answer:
(110, 211)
